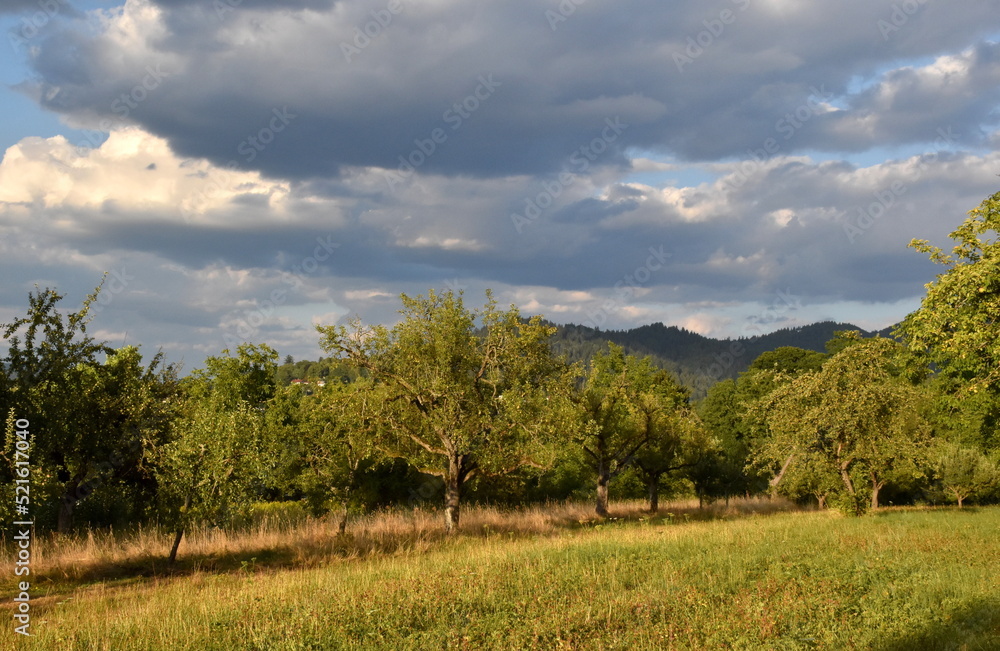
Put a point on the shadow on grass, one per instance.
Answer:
(885, 511)
(974, 626)
(316, 543)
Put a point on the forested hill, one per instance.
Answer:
(696, 360)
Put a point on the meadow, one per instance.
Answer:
(753, 575)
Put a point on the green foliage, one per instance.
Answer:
(456, 400)
(858, 418)
(958, 322)
(788, 359)
(228, 380)
(324, 439)
(965, 473)
(211, 467)
(91, 418)
(628, 413)
(727, 472)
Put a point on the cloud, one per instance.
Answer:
(361, 86)
(789, 223)
(246, 166)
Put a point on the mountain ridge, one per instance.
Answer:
(696, 360)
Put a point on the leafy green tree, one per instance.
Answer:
(95, 415)
(726, 411)
(958, 322)
(678, 440)
(229, 380)
(211, 466)
(215, 459)
(723, 413)
(328, 440)
(789, 360)
(859, 415)
(456, 400)
(625, 404)
(965, 473)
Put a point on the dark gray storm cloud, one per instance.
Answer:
(516, 87)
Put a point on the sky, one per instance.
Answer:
(245, 170)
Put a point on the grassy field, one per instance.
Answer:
(744, 579)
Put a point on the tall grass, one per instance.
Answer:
(279, 541)
(902, 579)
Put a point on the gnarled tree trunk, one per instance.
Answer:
(654, 493)
(460, 467)
(180, 532)
(603, 479)
(876, 487)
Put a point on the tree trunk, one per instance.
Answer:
(821, 502)
(654, 493)
(784, 468)
(345, 503)
(876, 487)
(64, 521)
(177, 543)
(72, 495)
(459, 467)
(180, 531)
(849, 485)
(603, 479)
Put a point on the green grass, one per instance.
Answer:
(907, 579)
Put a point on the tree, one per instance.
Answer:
(210, 466)
(230, 380)
(683, 444)
(327, 437)
(723, 414)
(625, 404)
(727, 412)
(457, 400)
(958, 322)
(95, 416)
(215, 458)
(788, 359)
(859, 415)
(678, 441)
(965, 472)
(117, 408)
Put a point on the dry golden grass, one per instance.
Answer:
(64, 562)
